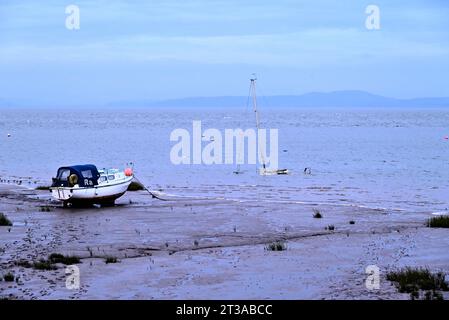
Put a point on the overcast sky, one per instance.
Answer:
(158, 49)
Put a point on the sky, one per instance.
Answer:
(166, 49)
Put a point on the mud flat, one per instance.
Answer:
(210, 248)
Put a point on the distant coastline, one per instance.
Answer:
(332, 99)
(348, 98)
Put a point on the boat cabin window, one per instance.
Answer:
(63, 174)
(111, 177)
(102, 178)
(87, 174)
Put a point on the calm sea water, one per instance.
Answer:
(376, 158)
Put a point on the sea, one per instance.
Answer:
(394, 159)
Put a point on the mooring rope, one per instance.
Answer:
(149, 191)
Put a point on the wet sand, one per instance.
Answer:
(199, 248)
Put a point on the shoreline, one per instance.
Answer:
(211, 249)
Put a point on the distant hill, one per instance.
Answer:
(351, 99)
(315, 99)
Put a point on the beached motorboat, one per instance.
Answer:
(85, 184)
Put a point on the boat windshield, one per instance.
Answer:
(63, 174)
(87, 174)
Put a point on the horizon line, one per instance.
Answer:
(7, 103)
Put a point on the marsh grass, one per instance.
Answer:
(9, 277)
(111, 260)
(433, 295)
(414, 280)
(49, 264)
(276, 246)
(317, 214)
(135, 186)
(4, 221)
(67, 260)
(43, 265)
(438, 222)
(24, 264)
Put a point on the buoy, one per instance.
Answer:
(128, 172)
(446, 137)
(73, 180)
(9, 135)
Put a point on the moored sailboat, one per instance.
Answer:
(264, 170)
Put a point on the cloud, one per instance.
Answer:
(323, 37)
(314, 47)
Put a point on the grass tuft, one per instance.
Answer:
(43, 265)
(4, 221)
(438, 222)
(24, 264)
(59, 258)
(49, 264)
(9, 277)
(111, 260)
(317, 214)
(276, 246)
(413, 280)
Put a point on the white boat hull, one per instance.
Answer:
(272, 172)
(99, 194)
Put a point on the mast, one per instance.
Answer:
(253, 94)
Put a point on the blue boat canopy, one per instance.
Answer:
(82, 175)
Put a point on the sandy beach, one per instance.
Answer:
(204, 248)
